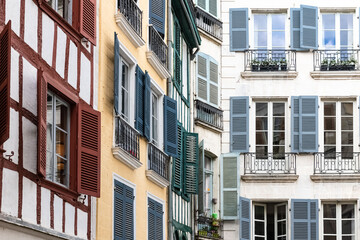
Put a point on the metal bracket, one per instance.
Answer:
(10, 155)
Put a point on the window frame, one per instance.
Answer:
(159, 93)
(125, 116)
(210, 172)
(67, 9)
(206, 9)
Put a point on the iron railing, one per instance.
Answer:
(270, 60)
(157, 45)
(337, 163)
(270, 164)
(127, 137)
(132, 13)
(209, 114)
(336, 60)
(158, 161)
(209, 228)
(208, 23)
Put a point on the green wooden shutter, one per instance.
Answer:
(295, 124)
(201, 196)
(202, 77)
(239, 31)
(245, 218)
(214, 81)
(229, 186)
(116, 74)
(129, 213)
(139, 111)
(170, 127)
(147, 101)
(177, 166)
(308, 123)
(308, 27)
(295, 29)
(177, 75)
(213, 7)
(304, 219)
(191, 159)
(239, 124)
(119, 211)
(157, 15)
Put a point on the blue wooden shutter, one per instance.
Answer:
(295, 29)
(116, 74)
(308, 27)
(245, 217)
(159, 221)
(157, 15)
(139, 118)
(304, 219)
(129, 213)
(177, 166)
(239, 30)
(191, 157)
(147, 101)
(239, 124)
(201, 195)
(295, 124)
(308, 123)
(229, 186)
(170, 126)
(119, 204)
(151, 219)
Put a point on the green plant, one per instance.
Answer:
(255, 62)
(283, 61)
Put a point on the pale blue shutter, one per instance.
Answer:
(147, 101)
(119, 203)
(239, 30)
(191, 157)
(229, 186)
(157, 15)
(308, 27)
(295, 124)
(170, 126)
(129, 213)
(116, 73)
(304, 219)
(245, 217)
(139, 111)
(295, 29)
(308, 123)
(239, 124)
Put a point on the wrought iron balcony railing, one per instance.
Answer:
(209, 228)
(158, 161)
(208, 23)
(157, 45)
(209, 114)
(336, 60)
(270, 164)
(132, 13)
(127, 137)
(337, 163)
(265, 60)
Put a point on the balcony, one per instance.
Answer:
(208, 24)
(336, 60)
(208, 115)
(157, 56)
(158, 164)
(127, 148)
(209, 228)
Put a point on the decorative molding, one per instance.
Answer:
(331, 178)
(124, 25)
(126, 158)
(269, 75)
(335, 75)
(156, 64)
(157, 179)
(265, 178)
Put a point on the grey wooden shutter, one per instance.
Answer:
(201, 195)
(119, 211)
(147, 101)
(239, 124)
(214, 81)
(308, 27)
(157, 15)
(229, 186)
(295, 28)
(191, 157)
(239, 32)
(177, 166)
(139, 111)
(129, 213)
(170, 126)
(202, 77)
(159, 221)
(295, 120)
(116, 74)
(308, 123)
(151, 219)
(304, 219)
(213, 7)
(245, 218)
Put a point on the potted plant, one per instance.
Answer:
(324, 65)
(333, 65)
(264, 65)
(255, 65)
(273, 65)
(283, 65)
(351, 64)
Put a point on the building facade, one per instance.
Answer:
(50, 129)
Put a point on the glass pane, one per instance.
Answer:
(60, 8)
(61, 143)
(346, 123)
(348, 238)
(330, 151)
(329, 211)
(259, 228)
(330, 226)
(261, 109)
(61, 115)
(261, 138)
(261, 152)
(348, 226)
(347, 152)
(279, 123)
(261, 123)
(278, 39)
(346, 21)
(279, 152)
(347, 211)
(346, 109)
(329, 138)
(260, 22)
(259, 212)
(346, 38)
(329, 123)
(49, 111)
(279, 109)
(49, 165)
(61, 171)
(259, 238)
(328, 21)
(281, 238)
(278, 21)
(329, 39)
(279, 138)
(281, 212)
(281, 228)
(124, 104)
(330, 109)
(346, 138)
(260, 39)
(329, 237)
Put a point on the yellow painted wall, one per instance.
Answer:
(110, 165)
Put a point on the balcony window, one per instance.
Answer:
(208, 23)
(269, 31)
(124, 81)
(209, 6)
(337, 31)
(63, 8)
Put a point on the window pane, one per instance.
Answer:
(281, 228)
(347, 123)
(346, 38)
(347, 211)
(329, 237)
(329, 39)
(278, 152)
(328, 21)
(347, 152)
(61, 143)
(281, 212)
(329, 138)
(329, 123)
(347, 138)
(330, 226)
(348, 226)
(278, 21)
(61, 115)
(261, 138)
(60, 8)
(329, 211)
(279, 123)
(279, 109)
(260, 39)
(259, 228)
(279, 138)
(346, 21)
(261, 109)
(261, 123)
(259, 212)
(261, 152)
(278, 39)
(260, 22)
(346, 109)
(348, 238)
(61, 171)
(330, 151)
(330, 109)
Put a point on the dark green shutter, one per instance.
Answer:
(170, 126)
(245, 218)
(139, 118)
(201, 195)
(295, 120)
(157, 15)
(191, 159)
(308, 27)
(304, 219)
(116, 74)
(239, 124)
(178, 163)
(239, 31)
(147, 101)
(177, 54)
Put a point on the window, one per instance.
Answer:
(62, 7)
(208, 172)
(207, 79)
(57, 146)
(269, 31)
(154, 119)
(337, 30)
(339, 221)
(155, 220)
(124, 89)
(208, 5)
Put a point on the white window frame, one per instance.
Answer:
(259, 220)
(125, 116)
(68, 9)
(162, 202)
(276, 220)
(156, 89)
(207, 7)
(210, 172)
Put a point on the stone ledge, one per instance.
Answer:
(203, 124)
(157, 179)
(126, 158)
(275, 178)
(128, 30)
(269, 75)
(156, 64)
(335, 75)
(330, 178)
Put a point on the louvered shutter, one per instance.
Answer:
(239, 31)
(147, 101)
(239, 124)
(117, 91)
(295, 28)
(119, 203)
(139, 118)
(201, 195)
(213, 7)
(213, 83)
(89, 126)
(129, 213)
(308, 123)
(295, 120)
(202, 76)
(157, 15)
(170, 127)
(159, 221)
(308, 27)
(177, 166)
(5, 65)
(229, 186)
(177, 52)
(304, 219)
(245, 217)
(88, 20)
(191, 159)
(151, 219)
(42, 124)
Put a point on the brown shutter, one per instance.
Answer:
(42, 110)
(88, 150)
(5, 64)
(87, 24)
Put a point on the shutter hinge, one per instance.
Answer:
(289, 106)
(249, 106)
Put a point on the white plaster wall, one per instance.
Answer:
(58, 213)
(29, 201)
(10, 192)
(14, 77)
(12, 12)
(73, 65)
(13, 232)
(31, 24)
(48, 38)
(69, 219)
(29, 145)
(45, 207)
(82, 223)
(85, 79)
(12, 144)
(29, 87)
(60, 52)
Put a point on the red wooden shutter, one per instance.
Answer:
(88, 150)
(5, 64)
(42, 110)
(87, 20)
